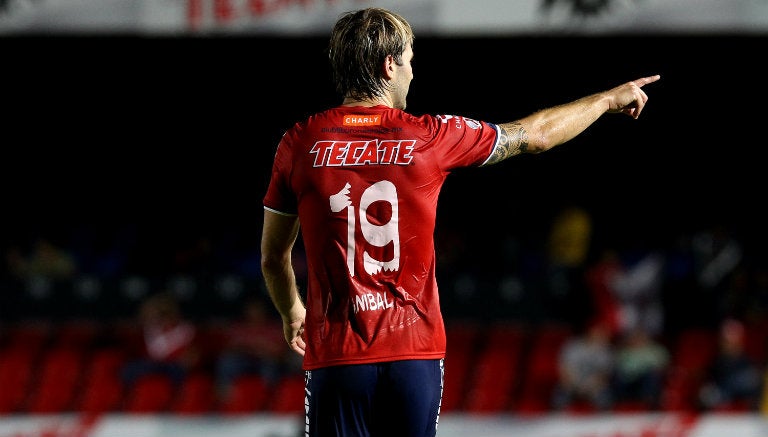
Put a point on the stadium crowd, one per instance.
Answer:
(683, 324)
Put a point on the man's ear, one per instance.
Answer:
(389, 67)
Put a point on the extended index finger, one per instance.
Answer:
(648, 79)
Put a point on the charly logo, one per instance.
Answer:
(362, 120)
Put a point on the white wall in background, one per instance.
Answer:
(429, 17)
(451, 425)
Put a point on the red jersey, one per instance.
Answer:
(364, 182)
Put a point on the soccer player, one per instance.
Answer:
(362, 181)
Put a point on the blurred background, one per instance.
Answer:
(138, 139)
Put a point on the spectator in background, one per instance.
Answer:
(40, 265)
(45, 260)
(586, 365)
(254, 345)
(599, 278)
(733, 380)
(567, 247)
(763, 407)
(638, 285)
(169, 341)
(626, 287)
(717, 255)
(641, 365)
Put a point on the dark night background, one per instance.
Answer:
(175, 136)
(153, 129)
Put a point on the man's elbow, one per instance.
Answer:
(271, 263)
(539, 143)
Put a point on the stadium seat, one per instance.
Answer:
(151, 393)
(695, 348)
(248, 394)
(692, 352)
(497, 370)
(211, 339)
(462, 340)
(540, 368)
(30, 336)
(288, 395)
(16, 373)
(756, 341)
(56, 381)
(101, 396)
(196, 395)
(102, 389)
(78, 334)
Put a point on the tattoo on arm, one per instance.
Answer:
(513, 140)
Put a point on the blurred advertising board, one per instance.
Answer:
(302, 18)
(451, 425)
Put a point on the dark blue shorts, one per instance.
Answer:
(398, 398)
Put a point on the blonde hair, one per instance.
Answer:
(360, 42)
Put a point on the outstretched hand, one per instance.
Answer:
(629, 98)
